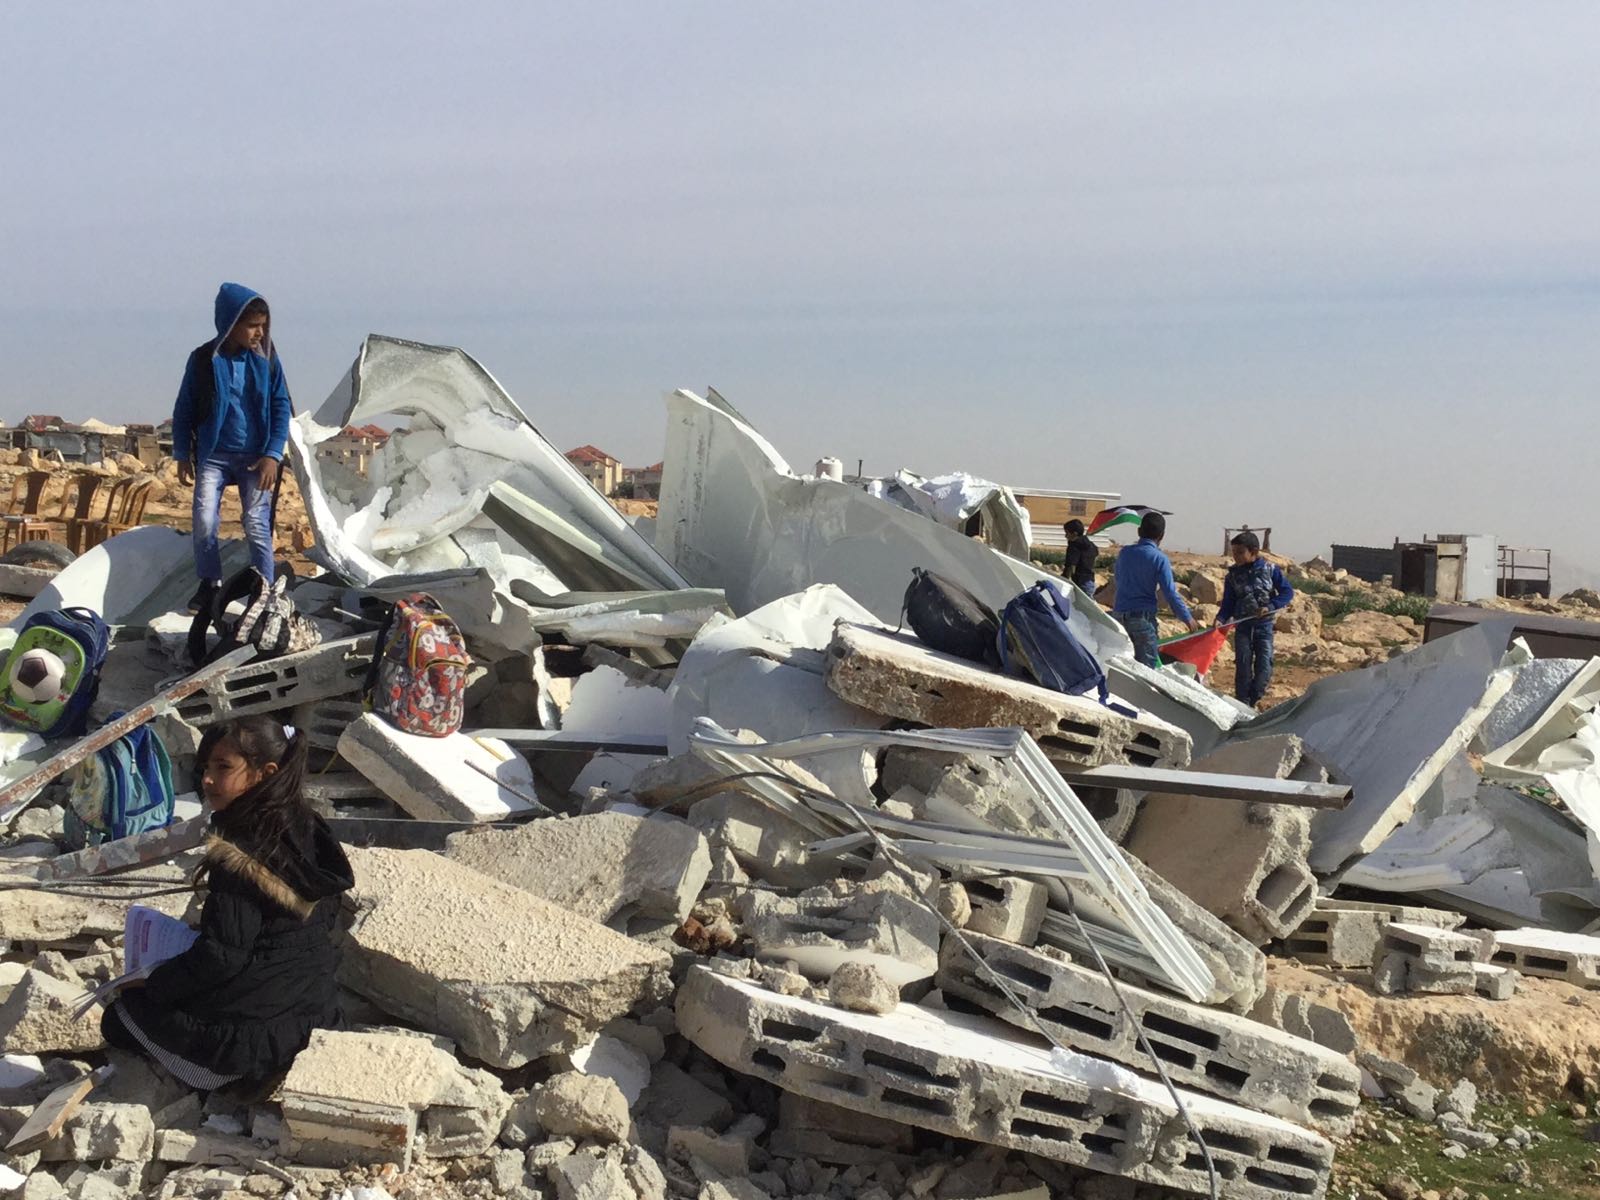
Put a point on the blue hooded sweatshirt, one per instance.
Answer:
(246, 409)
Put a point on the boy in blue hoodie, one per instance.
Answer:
(229, 428)
(1255, 589)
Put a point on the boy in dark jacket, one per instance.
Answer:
(1254, 588)
(1081, 556)
(229, 428)
(242, 1001)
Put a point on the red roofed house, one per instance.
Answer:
(598, 467)
(646, 481)
(353, 446)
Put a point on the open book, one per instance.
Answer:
(149, 938)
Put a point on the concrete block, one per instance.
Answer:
(590, 1176)
(1244, 862)
(604, 866)
(508, 975)
(1493, 982)
(324, 721)
(1435, 949)
(1345, 933)
(1549, 954)
(206, 1147)
(38, 1018)
(1234, 1057)
(364, 1097)
(966, 1076)
(724, 1154)
(813, 1129)
(1411, 1093)
(331, 669)
(97, 1132)
(1007, 907)
(439, 779)
(764, 843)
(824, 928)
(899, 677)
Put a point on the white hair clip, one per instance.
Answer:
(288, 732)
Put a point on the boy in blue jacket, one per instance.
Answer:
(229, 428)
(1143, 571)
(1254, 588)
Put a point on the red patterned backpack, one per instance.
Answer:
(418, 679)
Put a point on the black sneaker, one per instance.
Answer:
(203, 595)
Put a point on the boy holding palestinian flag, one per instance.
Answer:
(1254, 592)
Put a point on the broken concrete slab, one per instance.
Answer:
(363, 1097)
(1390, 729)
(812, 1129)
(675, 1097)
(1221, 1053)
(1346, 933)
(899, 677)
(97, 1132)
(332, 669)
(40, 1017)
(582, 1106)
(967, 1077)
(825, 928)
(1494, 982)
(1007, 907)
(454, 778)
(1242, 862)
(1434, 948)
(600, 866)
(1411, 1093)
(507, 974)
(1549, 954)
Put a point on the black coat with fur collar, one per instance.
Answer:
(245, 997)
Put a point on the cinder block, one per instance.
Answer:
(969, 1077)
(323, 721)
(1494, 983)
(331, 669)
(827, 1133)
(1244, 862)
(1006, 907)
(900, 677)
(1230, 1056)
(1344, 933)
(1437, 950)
(824, 928)
(1549, 954)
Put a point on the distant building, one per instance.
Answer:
(645, 481)
(602, 470)
(353, 447)
(1051, 508)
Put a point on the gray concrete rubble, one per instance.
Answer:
(1242, 862)
(40, 1017)
(602, 866)
(1007, 907)
(454, 778)
(1347, 933)
(823, 929)
(331, 669)
(968, 1077)
(1206, 1049)
(814, 1129)
(899, 677)
(1549, 954)
(370, 1097)
(507, 974)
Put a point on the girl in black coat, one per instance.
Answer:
(242, 1001)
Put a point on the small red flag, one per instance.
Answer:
(1200, 650)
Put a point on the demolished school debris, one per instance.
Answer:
(730, 888)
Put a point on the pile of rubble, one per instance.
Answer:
(731, 889)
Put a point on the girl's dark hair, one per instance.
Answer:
(274, 810)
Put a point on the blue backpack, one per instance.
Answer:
(52, 673)
(1034, 640)
(119, 791)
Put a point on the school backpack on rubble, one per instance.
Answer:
(418, 678)
(119, 791)
(269, 622)
(52, 673)
(1034, 640)
(949, 618)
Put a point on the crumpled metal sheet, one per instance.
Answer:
(733, 515)
(953, 500)
(465, 445)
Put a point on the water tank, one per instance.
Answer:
(830, 468)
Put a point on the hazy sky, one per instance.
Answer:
(1332, 269)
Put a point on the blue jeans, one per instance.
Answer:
(215, 474)
(1141, 627)
(1252, 660)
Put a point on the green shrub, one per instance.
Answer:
(1415, 607)
(1311, 585)
(1048, 555)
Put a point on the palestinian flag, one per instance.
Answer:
(1122, 514)
(1199, 649)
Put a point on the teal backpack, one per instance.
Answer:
(119, 791)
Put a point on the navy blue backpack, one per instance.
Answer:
(1034, 640)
